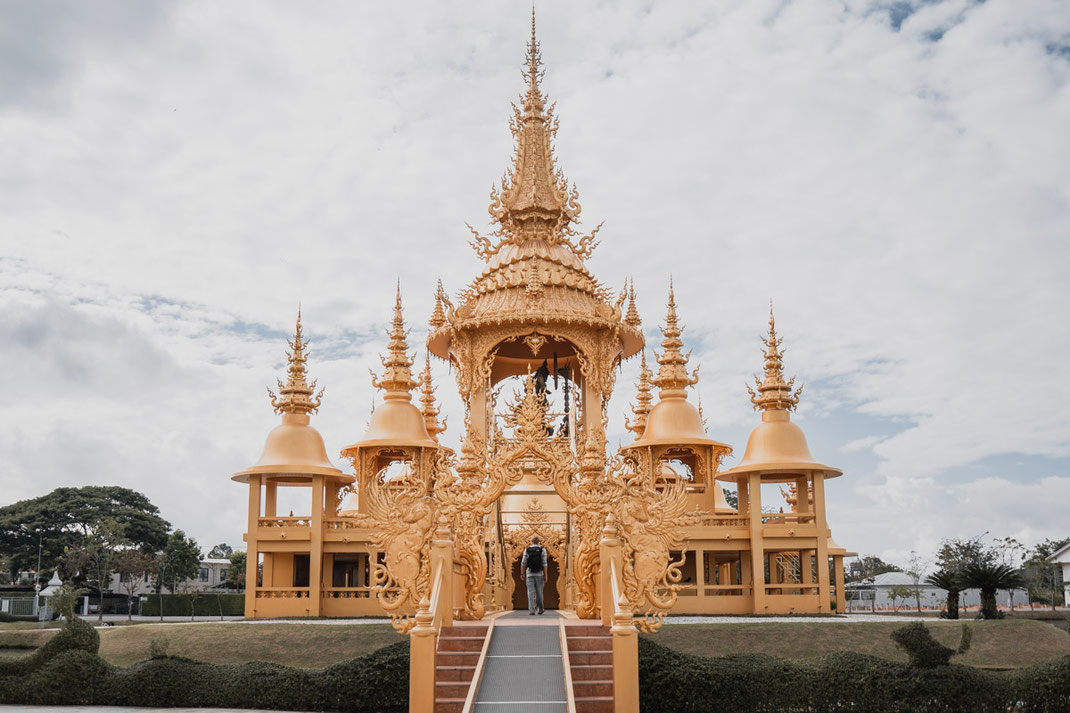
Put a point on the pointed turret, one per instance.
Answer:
(427, 402)
(773, 392)
(641, 409)
(296, 395)
(397, 421)
(438, 316)
(631, 318)
(672, 377)
(776, 447)
(294, 448)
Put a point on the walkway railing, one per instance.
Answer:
(434, 612)
(617, 614)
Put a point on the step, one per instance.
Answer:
(453, 705)
(456, 658)
(591, 658)
(592, 672)
(461, 643)
(586, 630)
(598, 704)
(450, 690)
(454, 673)
(589, 643)
(592, 689)
(450, 631)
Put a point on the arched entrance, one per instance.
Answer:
(551, 599)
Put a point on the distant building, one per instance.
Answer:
(1062, 557)
(211, 576)
(873, 594)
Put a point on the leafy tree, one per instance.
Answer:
(955, 554)
(65, 599)
(221, 551)
(990, 577)
(180, 560)
(96, 558)
(1041, 579)
(135, 567)
(870, 566)
(731, 498)
(899, 592)
(236, 570)
(67, 516)
(916, 571)
(952, 584)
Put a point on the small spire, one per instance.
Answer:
(632, 317)
(534, 71)
(397, 378)
(672, 377)
(427, 402)
(641, 409)
(438, 317)
(773, 393)
(296, 395)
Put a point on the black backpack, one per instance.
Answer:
(534, 554)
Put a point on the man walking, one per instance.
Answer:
(534, 566)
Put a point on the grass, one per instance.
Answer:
(996, 644)
(300, 645)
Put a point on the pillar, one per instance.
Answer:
(824, 603)
(841, 595)
(700, 573)
(252, 548)
(315, 551)
(271, 490)
(757, 545)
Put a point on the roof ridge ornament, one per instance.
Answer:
(642, 407)
(296, 395)
(535, 200)
(773, 392)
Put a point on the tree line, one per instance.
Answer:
(90, 533)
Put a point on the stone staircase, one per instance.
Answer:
(590, 654)
(455, 665)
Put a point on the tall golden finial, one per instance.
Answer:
(631, 318)
(296, 395)
(535, 201)
(438, 316)
(427, 402)
(397, 379)
(641, 409)
(774, 394)
(672, 377)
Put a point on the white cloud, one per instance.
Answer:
(179, 181)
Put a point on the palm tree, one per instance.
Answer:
(989, 578)
(950, 582)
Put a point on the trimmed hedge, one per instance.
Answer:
(203, 605)
(67, 671)
(672, 682)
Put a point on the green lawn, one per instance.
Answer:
(1005, 643)
(300, 645)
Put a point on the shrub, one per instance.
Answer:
(925, 651)
(671, 682)
(76, 635)
(203, 605)
(1044, 687)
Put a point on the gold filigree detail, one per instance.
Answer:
(296, 395)
(773, 392)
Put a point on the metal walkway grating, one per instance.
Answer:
(523, 671)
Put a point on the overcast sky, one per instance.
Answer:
(176, 177)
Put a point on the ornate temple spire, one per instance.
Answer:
(296, 395)
(438, 316)
(773, 392)
(641, 409)
(631, 318)
(534, 201)
(427, 401)
(397, 379)
(672, 377)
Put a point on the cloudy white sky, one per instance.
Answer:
(176, 177)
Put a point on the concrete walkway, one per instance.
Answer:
(524, 671)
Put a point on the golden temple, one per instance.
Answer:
(430, 534)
